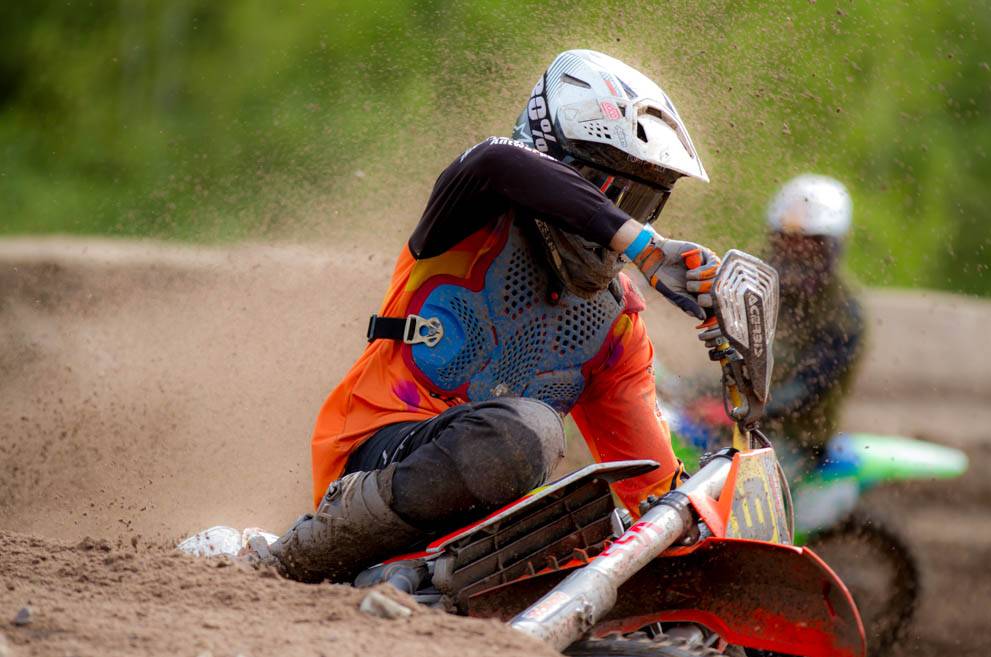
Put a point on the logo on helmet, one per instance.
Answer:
(541, 129)
(610, 111)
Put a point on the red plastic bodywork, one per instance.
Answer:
(753, 593)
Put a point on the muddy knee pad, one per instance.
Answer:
(484, 456)
(538, 425)
(513, 446)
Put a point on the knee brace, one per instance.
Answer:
(515, 445)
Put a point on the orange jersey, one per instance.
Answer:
(616, 412)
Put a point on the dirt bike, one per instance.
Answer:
(869, 552)
(707, 569)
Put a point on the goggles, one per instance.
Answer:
(641, 201)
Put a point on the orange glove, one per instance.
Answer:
(663, 263)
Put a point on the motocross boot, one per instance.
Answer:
(354, 527)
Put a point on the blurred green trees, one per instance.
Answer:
(202, 120)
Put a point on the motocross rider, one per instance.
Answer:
(506, 311)
(820, 326)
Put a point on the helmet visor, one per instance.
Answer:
(641, 201)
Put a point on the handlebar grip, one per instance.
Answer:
(693, 259)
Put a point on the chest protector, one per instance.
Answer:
(507, 339)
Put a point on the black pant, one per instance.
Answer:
(466, 462)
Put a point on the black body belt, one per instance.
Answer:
(411, 329)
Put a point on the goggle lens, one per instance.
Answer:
(641, 201)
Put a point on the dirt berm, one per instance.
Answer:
(148, 391)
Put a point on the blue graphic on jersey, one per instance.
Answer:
(506, 340)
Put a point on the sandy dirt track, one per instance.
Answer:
(91, 598)
(148, 391)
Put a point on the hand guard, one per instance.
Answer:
(663, 262)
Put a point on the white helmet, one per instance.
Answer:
(811, 205)
(591, 109)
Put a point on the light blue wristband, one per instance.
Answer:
(638, 244)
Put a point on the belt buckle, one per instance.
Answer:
(414, 334)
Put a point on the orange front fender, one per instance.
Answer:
(755, 594)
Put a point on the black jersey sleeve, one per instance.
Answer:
(498, 174)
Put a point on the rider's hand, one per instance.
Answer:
(662, 262)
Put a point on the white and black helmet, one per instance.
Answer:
(615, 125)
(811, 205)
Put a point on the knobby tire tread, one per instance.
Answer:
(638, 647)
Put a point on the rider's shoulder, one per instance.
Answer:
(501, 145)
